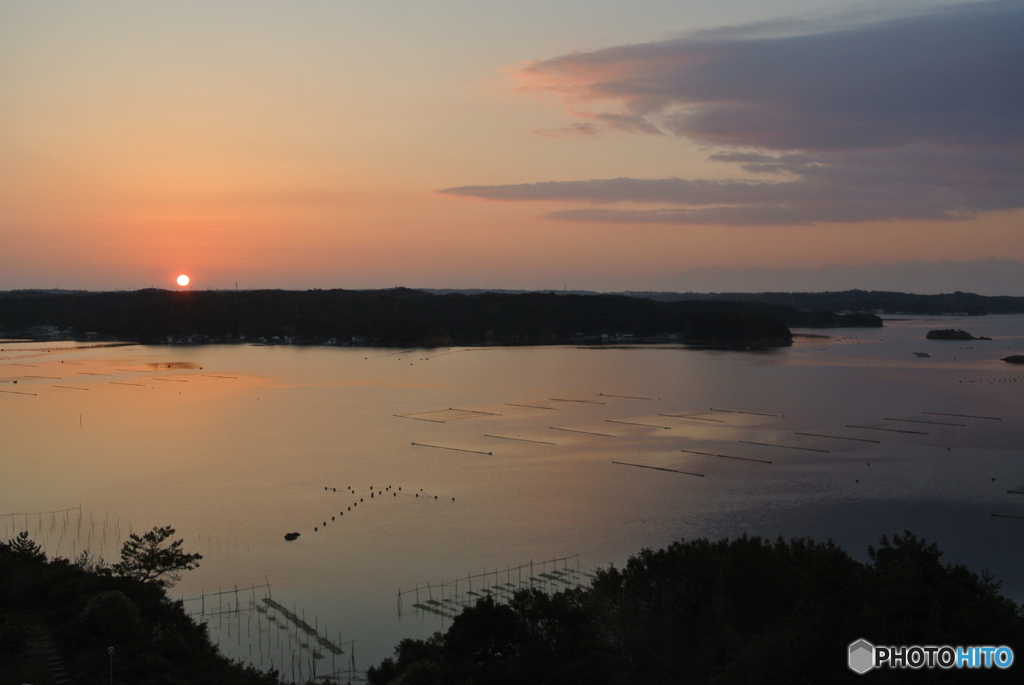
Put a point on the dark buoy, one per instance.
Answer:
(291, 536)
(360, 499)
(332, 518)
(435, 496)
(453, 499)
(417, 494)
(314, 529)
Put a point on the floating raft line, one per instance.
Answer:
(624, 397)
(211, 375)
(1007, 516)
(473, 411)
(453, 449)
(505, 437)
(788, 447)
(303, 626)
(963, 416)
(657, 468)
(634, 423)
(418, 418)
(560, 579)
(70, 387)
(19, 392)
(433, 610)
(689, 416)
(755, 413)
(573, 430)
(890, 430)
(557, 399)
(216, 594)
(173, 380)
(531, 406)
(40, 513)
(444, 415)
(726, 456)
(838, 437)
(932, 423)
(137, 385)
(49, 378)
(1015, 492)
(86, 373)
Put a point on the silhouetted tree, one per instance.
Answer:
(23, 549)
(149, 559)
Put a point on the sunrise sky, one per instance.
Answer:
(597, 144)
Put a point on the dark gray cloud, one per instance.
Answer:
(914, 118)
(918, 182)
(953, 76)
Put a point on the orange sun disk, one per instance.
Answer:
(182, 280)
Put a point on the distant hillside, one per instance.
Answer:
(864, 301)
(845, 301)
(403, 317)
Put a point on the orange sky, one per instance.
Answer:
(302, 146)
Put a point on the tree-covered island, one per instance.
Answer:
(403, 317)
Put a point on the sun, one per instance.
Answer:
(182, 280)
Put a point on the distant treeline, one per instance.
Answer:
(408, 317)
(865, 301)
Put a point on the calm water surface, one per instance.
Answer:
(235, 445)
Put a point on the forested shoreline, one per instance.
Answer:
(404, 317)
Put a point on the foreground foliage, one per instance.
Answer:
(740, 611)
(86, 607)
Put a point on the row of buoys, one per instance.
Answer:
(394, 493)
(1011, 379)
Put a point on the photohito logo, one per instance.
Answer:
(863, 656)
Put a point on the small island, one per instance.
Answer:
(952, 334)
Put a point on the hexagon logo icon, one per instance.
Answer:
(862, 656)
